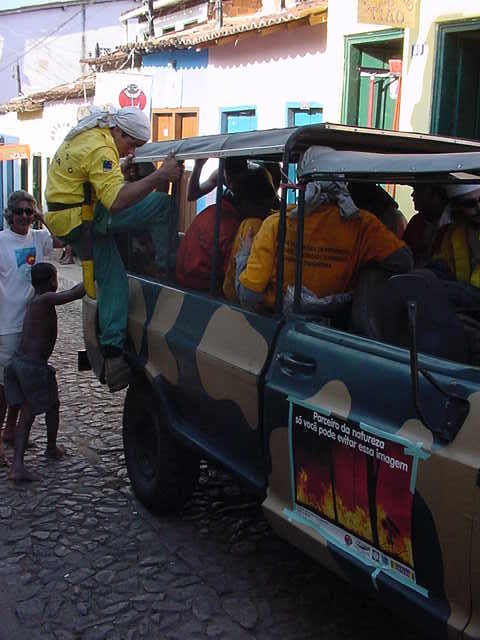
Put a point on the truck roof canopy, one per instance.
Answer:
(321, 162)
(273, 143)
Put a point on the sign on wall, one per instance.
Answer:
(124, 90)
(14, 152)
(392, 13)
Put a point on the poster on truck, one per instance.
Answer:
(357, 484)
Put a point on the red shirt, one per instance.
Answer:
(195, 254)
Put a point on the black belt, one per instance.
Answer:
(61, 206)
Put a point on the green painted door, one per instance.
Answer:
(456, 110)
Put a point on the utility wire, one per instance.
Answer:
(49, 35)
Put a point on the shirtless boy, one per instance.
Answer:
(29, 380)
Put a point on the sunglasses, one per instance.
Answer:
(469, 203)
(26, 210)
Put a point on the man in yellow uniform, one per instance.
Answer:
(88, 163)
(460, 243)
(338, 240)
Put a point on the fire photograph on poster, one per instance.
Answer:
(355, 479)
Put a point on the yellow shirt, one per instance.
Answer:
(334, 250)
(91, 156)
(455, 251)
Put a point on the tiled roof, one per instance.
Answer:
(311, 12)
(81, 88)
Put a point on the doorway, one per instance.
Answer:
(372, 85)
(456, 93)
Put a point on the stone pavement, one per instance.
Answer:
(80, 558)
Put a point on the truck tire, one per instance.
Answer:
(162, 471)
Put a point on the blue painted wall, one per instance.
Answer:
(184, 58)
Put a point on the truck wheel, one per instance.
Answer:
(163, 473)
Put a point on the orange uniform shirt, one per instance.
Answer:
(195, 253)
(334, 250)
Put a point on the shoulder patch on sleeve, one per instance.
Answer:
(107, 165)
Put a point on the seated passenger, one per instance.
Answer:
(274, 169)
(148, 259)
(233, 171)
(143, 255)
(338, 240)
(133, 171)
(254, 197)
(248, 229)
(459, 250)
(430, 200)
(371, 197)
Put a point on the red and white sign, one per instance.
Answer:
(124, 90)
(132, 96)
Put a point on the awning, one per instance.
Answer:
(14, 152)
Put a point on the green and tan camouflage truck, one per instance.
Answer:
(357, 419)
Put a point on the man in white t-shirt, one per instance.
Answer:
(20, 248)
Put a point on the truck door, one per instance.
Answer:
(368, 483)
(212, 355)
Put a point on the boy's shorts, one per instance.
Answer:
(8, 345)
(32, 383)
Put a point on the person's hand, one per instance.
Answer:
(171, 169)
(127, 167)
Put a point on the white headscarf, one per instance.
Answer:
(130, 120)
(321, 192)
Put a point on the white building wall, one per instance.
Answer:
(418, 70)
(48, 43)
(265, 72)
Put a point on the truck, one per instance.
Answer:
(354, 419)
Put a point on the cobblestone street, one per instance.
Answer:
(81, 558)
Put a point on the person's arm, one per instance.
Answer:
(195, 190)
(380, 245)
(132, 192)
(62, 297)
(57, 243)
(400, 261)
